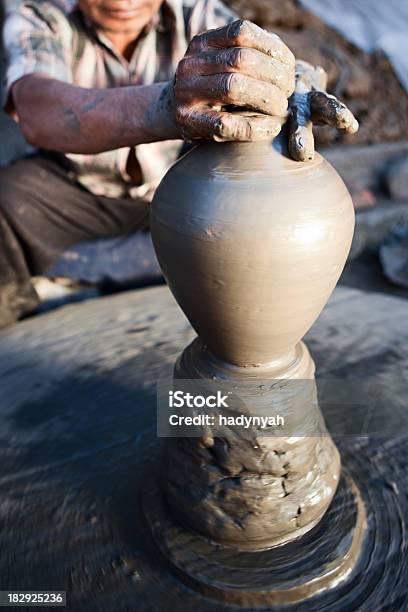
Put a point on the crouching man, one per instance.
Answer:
(106, 91)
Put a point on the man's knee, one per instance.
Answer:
(16, 300)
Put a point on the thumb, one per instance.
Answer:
(300, 127)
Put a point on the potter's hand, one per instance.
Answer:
(311, 104)
(237, 67)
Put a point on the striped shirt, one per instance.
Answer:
(55, 38)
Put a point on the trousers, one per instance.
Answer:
(43, 211)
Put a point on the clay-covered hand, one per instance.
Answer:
(311, 104)
(226, 73)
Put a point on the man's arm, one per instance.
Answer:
(70, 119)
(238, 65)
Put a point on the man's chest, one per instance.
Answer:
(97, 65)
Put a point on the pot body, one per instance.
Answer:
(252, 244)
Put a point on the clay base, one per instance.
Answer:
(249, 488)
(295, 572)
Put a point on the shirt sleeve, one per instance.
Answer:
(37, 39)
(207, 15)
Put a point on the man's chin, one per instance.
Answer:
(128, 26)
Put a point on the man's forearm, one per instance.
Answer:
(62, 117)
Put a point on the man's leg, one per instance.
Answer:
(17, 295)
(43, 211)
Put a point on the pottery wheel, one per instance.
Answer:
(321, 560)
(78, 440)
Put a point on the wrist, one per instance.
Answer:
(161, 114)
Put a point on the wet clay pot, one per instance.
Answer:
(252, 244)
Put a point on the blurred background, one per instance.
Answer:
(363, 46)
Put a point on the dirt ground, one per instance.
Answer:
(367, 83)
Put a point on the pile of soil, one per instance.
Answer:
(366, 83)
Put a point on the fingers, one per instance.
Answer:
(301, 142)
(328, 110)
(200, 122)
(311, 105)
(236, 89)
(300, 128)
(316, 107)
(249, 62)
(243, 33)
(238, 65)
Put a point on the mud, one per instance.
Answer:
(240, 487)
